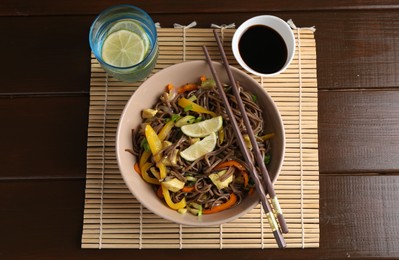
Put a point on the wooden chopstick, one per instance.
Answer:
(255, 147)
(259, 187)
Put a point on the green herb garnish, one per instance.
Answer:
(192, 98)
(254, 98)
(174, 118)
(144, 144)
(267, 159)
(188, 108)
(208, 83)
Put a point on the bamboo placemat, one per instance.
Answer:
(113, 218)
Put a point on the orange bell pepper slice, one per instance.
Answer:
(228, 204)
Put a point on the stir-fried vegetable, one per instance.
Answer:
(137, 168)
(228, 204)
(154, 142)
(230, 163)
(187, 87)
(179, 205)
(146, 176)
(187, 189)
(185, 103)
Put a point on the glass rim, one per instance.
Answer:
(152, 28)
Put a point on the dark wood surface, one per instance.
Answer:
(44, 100)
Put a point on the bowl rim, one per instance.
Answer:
(152, 208)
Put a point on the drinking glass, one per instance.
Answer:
(135, 22)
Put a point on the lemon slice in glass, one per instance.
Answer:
(199, 148)
(203, 128)
(123, 48)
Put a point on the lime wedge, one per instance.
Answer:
(203, 128)
(199, 148)
(123, 48)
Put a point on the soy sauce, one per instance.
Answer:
(263, 49)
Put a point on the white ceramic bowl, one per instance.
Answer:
(146, 96)
(276, 24)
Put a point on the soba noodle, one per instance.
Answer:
(204, 194)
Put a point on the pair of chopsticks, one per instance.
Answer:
(261, 186)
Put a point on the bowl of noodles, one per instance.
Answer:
(176, 148)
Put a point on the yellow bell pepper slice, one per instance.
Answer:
(161, 135)
(144, 158)
(153, 141)
(184, 103)
(221, 135)
(267, 136)
(181, 204)
(165, 130)
(162, 170)
(146, 177)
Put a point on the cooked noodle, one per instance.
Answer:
(195, 173)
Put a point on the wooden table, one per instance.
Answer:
(44, 100)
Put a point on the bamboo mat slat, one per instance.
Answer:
(113, 218)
